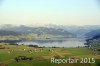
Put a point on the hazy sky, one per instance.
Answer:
(63, 12)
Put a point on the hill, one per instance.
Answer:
(93, 33)
(25, 30)
(8, 33)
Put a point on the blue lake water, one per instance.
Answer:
(65, 42)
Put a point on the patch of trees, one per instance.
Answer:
(21, 58)
(36, 46)
(94, 42)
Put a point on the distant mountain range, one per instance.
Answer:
(23, 30)
(66, 31)
(82, 31)
(8, 33)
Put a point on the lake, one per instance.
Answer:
(64, 42)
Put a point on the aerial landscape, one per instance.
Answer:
(49, 33)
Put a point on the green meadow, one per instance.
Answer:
(42, 56)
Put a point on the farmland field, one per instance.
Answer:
(42, 56)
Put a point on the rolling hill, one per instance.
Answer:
(25, 30)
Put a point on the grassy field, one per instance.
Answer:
(42, 56)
